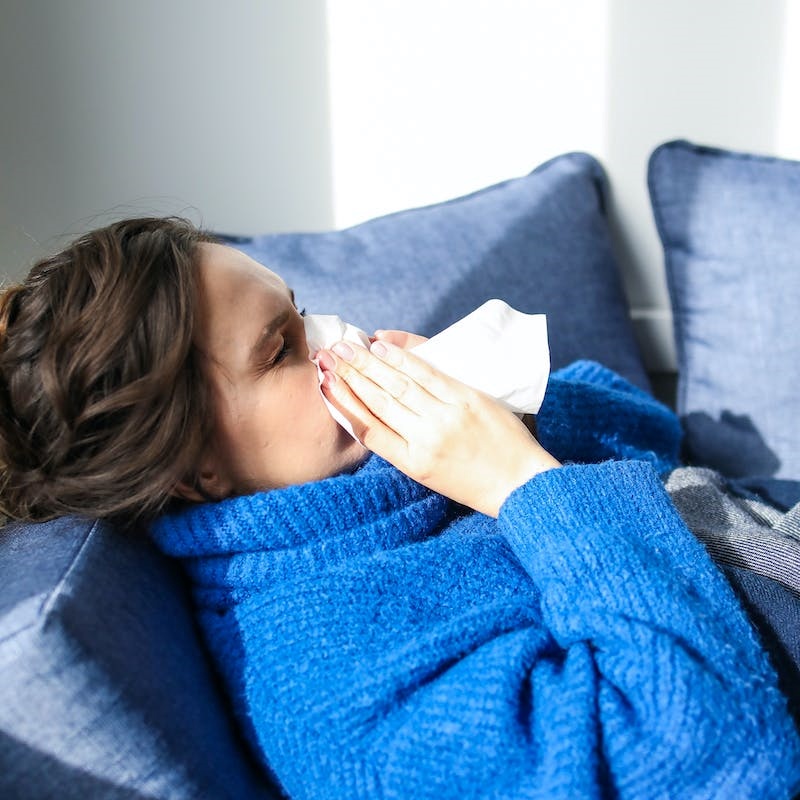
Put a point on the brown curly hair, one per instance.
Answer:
(103, 403)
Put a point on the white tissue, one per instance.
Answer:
(495, 349)
(323, 331)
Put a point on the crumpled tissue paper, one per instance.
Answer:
(495, 349)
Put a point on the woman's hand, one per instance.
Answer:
(402, 339)
(443, 434)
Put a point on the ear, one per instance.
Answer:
(210, 484)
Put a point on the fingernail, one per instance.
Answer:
(328, 379)
(379, 349)
(325, 361)
(343, 350)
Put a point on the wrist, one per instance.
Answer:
(519, 474)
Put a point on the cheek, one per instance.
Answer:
(235, 429)
(309, 396)
(242, 419)
(328, 436)
(321, 420)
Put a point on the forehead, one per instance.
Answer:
(224, 270)
(237, 298)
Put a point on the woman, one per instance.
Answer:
(453, 615)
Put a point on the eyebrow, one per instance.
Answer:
(268, 332)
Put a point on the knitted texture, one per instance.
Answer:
(590, 414)
(379, 641)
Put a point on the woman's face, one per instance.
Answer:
(272, 428)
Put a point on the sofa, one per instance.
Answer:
(105, 686)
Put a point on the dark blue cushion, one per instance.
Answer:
(730, 227)
(774, 611)
(104, 688)
(541, 243)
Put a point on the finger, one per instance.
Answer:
(370, 430)
(402, 339)
(352, 363)
(379, 372)
(423, 374)
(367, 379)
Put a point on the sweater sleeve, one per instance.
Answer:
(685, 697)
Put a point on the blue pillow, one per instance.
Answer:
(730, 226)
(105, 690)
(541, 243)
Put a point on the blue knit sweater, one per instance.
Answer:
(379, 641)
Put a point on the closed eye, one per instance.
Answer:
(263, 365)
(282, 353)
(263, 355)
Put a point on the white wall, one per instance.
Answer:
(265, 115)
(709, 71)
(109, 108)
(431, 99)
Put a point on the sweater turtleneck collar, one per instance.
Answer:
(296, 515)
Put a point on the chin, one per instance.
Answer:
(349, 451)
(354, 455)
